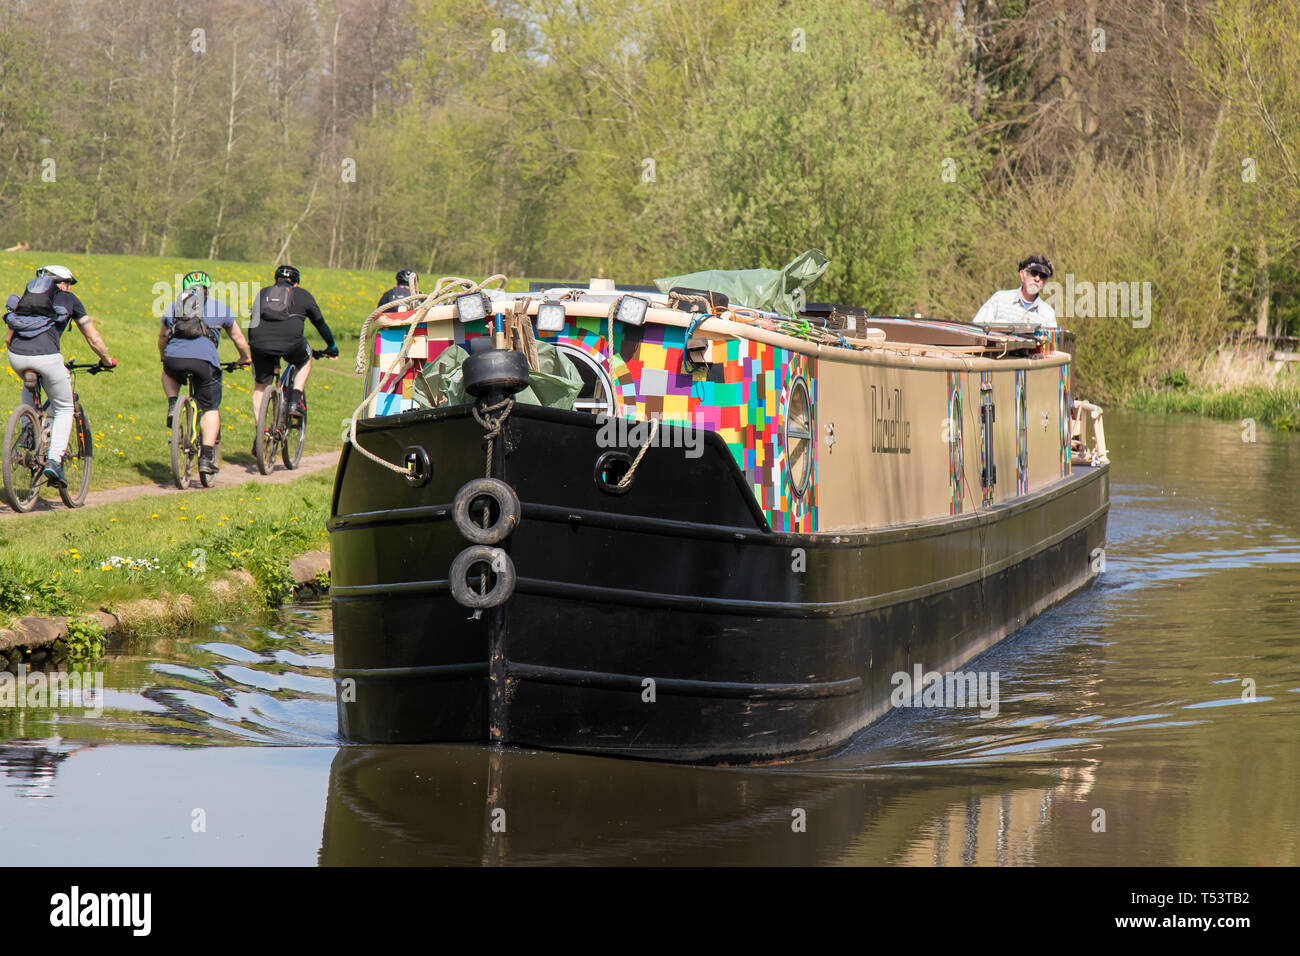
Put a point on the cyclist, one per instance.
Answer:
(408, 283)
(48, 305)
(187, 345)
(276, 332)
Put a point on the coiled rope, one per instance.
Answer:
(446, 289)
(491, 423)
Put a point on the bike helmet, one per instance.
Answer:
(288, 272)
(58, 273)
(196, 277)
(405, 276)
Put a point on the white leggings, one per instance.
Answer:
(58, 385)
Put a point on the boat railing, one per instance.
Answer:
(1080, 452)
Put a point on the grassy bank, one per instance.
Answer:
(170, 550)
(1277, 407)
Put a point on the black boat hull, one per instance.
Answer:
(658, 624)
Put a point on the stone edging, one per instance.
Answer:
(32, 634)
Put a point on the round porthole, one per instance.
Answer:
(798, 437)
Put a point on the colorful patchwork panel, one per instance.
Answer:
(741, 396)
(1067, 404)
(988, 469)
(956, 444)
(1022, 433)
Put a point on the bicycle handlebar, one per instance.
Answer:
(233, 366)
(94, 368)
(319, 353)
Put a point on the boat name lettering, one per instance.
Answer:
(891, 433)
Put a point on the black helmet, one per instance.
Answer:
(288, 272)
(404, 276)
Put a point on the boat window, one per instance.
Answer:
(597, 395)
(798, 437)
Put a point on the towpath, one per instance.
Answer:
(230, 475)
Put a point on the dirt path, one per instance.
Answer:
(230, 475)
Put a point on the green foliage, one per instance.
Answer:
(1105, 223)
(275, 583)
(86, 639)
(852, 146)
(26, 587)
(1278, 407)
(64, 561)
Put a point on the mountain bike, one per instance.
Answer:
(27, 442)
(276, 428)
(187, 436)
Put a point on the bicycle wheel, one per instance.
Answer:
(23, 458)
(77, 461)
(295, 436)
(183, 441)
(268, 429)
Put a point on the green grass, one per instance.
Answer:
(1278, 407)
(126, 409)
(70, 562)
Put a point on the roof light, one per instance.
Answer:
(550, 316)
(471, 307)
(632, 309)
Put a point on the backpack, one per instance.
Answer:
(275, 303)
(187, 321)
(35, 312)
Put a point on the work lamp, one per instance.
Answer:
(550, 316)
(632, 309)
(471, 307)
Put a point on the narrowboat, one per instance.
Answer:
(721, 544)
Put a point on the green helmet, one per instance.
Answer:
(196, 277)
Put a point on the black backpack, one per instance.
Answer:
(187, 322)
(35, 311)
(275, 303)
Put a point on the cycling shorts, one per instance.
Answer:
(267, 362)
(207, 379)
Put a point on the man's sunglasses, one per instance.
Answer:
(1038, 272)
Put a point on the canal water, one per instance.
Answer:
(1154, 719)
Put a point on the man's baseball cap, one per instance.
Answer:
(1037, 265)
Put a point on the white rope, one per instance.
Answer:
(446, 288)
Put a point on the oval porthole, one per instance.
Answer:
(418, 467)
(798, 437)
(611, 468)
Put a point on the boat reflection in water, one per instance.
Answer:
(464, 805)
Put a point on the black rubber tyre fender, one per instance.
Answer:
(507, 506)
(501, 566)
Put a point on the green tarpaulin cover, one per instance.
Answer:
(773, 290)
(555, 383)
